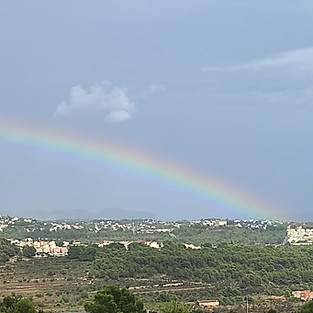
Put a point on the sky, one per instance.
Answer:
(222, 89)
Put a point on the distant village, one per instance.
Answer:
(147, 226)
(50, 248)
(295, 234)
(299, 235)
(43, 248)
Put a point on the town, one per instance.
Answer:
(147, 226)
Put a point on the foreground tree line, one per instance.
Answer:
(110, 300)
(114, 299)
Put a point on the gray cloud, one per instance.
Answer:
(103, 98)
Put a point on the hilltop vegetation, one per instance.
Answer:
(252, 268)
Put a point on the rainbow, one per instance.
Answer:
(217, 193)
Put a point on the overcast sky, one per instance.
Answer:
(224, 86)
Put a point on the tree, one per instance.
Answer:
(17, 304)
(75, 252)
(7, 250)
(307, 308)
(174, 307)
(29, 251)
(115, 300)
(25, 306)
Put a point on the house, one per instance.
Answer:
(208, 303)
(59, 251)
(221, 223)
(154, 244)
(191, 246)
(304, 295)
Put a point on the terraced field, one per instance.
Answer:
(53, 283)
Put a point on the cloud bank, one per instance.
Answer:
(101, 98)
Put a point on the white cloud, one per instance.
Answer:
(103, 98)
(301, 59)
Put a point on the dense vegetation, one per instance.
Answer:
(7, 250)
(234, 269)
(307, 308)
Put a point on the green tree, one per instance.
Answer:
(307, 308)
(25, 306)
(7, 250)
(115, 300)
(75, 252)
(17, 304)
(29, 251)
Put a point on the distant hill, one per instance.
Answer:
(81, 214)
